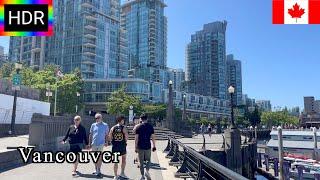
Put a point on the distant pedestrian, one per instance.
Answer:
(144, 132)
(77, 137)
(209, 129)
(136, 160)
(98, 138)
(202, 129)
(119, 136)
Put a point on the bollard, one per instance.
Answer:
(300, 172)
(259, 160)
(280, 149)
(256, 133)
(276, 167)
(315, 141)
(266, 161)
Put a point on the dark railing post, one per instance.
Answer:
(266, 161)
(183, 168)
(199, 176)
(168, 146)
(286, 170)
(259, 160)
(171, 151)
(276, 167)
(175, 157)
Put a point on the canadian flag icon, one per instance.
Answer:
(296, 11)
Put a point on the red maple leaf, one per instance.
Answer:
(296, 11)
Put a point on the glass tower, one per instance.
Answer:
(146, 28)
(87, 36)
(234, 77)
(206, 61)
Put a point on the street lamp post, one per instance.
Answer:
(78, 95)
(231, 92)
(16, 86)
(170, 110)
(184, 117)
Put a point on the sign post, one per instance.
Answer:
(131, 115)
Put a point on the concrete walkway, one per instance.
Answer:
(159, 169)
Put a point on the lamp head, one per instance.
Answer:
(231, 89)
(170, 82)
(18, 66)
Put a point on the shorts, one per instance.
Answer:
(121, 149)
(97, 148)
(75, 148)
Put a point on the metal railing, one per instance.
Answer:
(193, 164)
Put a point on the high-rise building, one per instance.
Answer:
(29, 50)
(309, 105)
(87, 36)
(146, 27)
(1, 51)
(177, 76)
(234, 77)
(206, 61)
(264, 105)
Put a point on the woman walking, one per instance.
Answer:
(77, 137)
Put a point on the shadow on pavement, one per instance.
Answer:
(92, 176)
(156, 166)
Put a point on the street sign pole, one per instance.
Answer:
(16, 82)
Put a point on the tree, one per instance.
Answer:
(119, 102)
(68, 86)
(155, 111)
(278, 118)
(6, 70)
(254, 117)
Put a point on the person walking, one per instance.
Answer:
(136, 159)
(77, 137)
(144, 132)
(202, 129)
(98, 138)
(209, 130)
(119, 136)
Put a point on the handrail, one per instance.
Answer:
(204, 161)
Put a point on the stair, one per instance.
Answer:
(160, 133)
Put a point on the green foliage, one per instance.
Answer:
(119, 102)
(157, 111)
(278, 118)
(6, 70)
(68, 86)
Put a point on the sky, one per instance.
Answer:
(279, 62)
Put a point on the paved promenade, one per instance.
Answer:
(160, 169)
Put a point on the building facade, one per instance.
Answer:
(146, 27)
(87, 36)
(97, 91)
(206, 61)
(234, 77)
(264, 105)
(310, 105)
(177, 76)
(198, 105)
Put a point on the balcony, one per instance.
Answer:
(91, 17)
(36, 49)
(87, 4)
(90, 34)
(89, 61)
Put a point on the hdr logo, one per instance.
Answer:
(26, 18)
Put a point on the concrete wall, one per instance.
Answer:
(20, 129)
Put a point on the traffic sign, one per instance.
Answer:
(16, 80)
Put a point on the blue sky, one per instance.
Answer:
(279, 62)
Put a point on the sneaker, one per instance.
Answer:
(99, 175)
(147, 175)
(142, 178)
(94, 173)
(115, 178)
(74, 173)
(124, 176)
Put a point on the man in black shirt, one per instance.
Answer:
(119, 136)
(144, 132)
